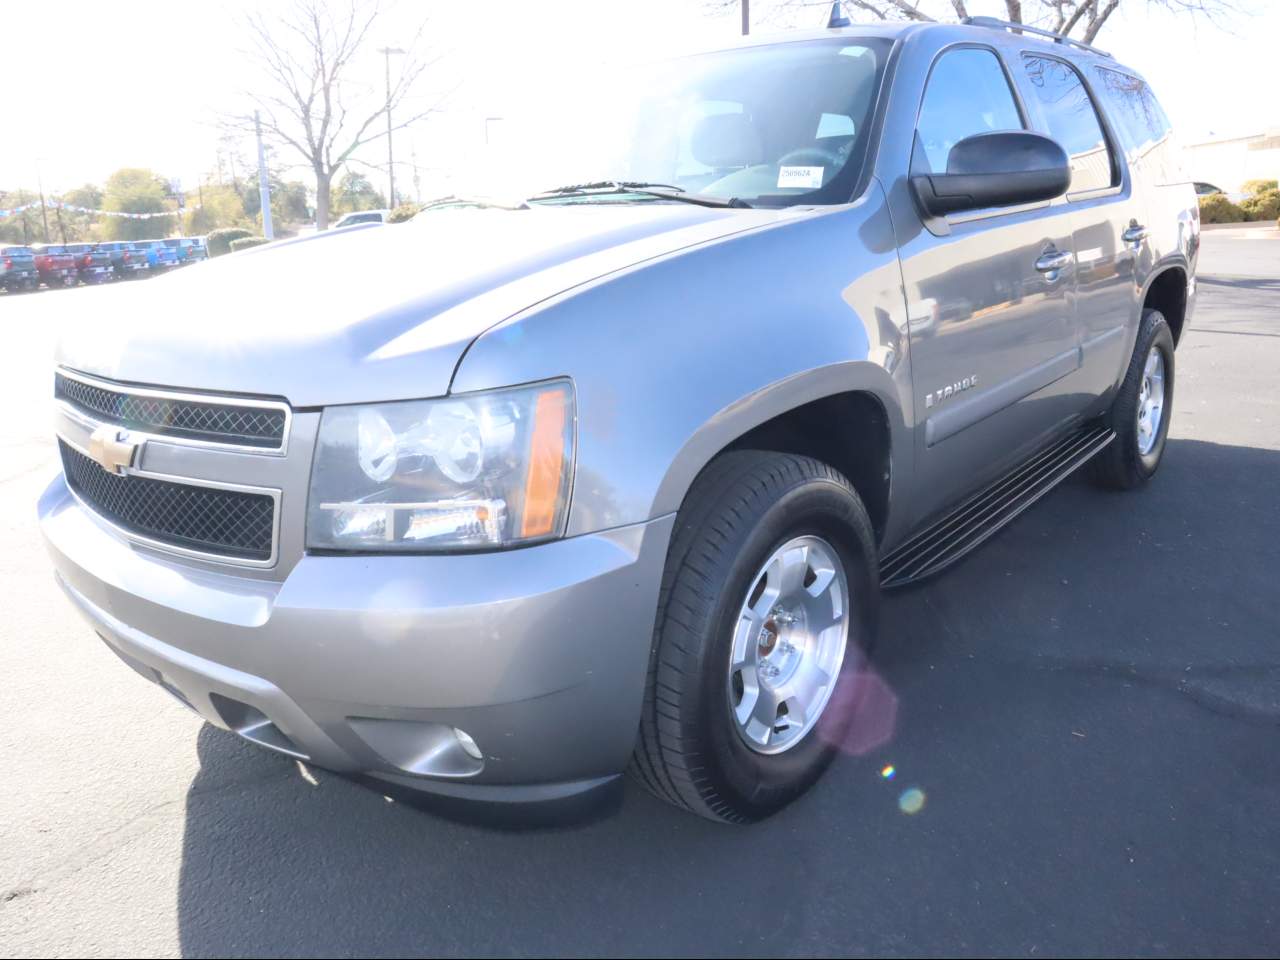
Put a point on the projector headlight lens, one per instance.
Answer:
(474, 471)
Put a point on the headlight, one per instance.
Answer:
(466, 472)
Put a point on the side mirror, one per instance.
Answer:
(995, 170)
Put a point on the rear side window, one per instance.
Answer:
(968, 93)
(1071, 118)
(1141, 124)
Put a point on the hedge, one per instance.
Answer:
(1262, 206)
(1255, 187)
(1216, 208)
(406, 211)
(244, 243)
(219, 241)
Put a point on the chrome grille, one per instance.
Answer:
(229, 523)
(190, 418)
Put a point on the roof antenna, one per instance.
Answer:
(838, 19)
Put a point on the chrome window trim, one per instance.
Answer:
(219, 399)
(163, 547)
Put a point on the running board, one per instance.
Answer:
(970, 524)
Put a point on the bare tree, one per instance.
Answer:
(306, 102)
(1082, 19)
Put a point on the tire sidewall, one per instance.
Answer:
(1156, 334)
(760, 783)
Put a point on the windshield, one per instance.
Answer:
(771, 126)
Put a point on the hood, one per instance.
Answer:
(369, 313)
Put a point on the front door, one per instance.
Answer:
(990, 300)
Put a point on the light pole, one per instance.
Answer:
(391, 170)
(746, 17)
(44, 217)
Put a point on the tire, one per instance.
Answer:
(747, 508)
(1124, 464)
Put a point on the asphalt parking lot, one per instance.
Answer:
(1089, 705)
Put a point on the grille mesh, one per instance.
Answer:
(261, 427)
(226, 522)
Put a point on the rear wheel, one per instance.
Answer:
(767, 610)
(1140, 413)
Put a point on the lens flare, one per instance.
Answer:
(911, 801)
(888, 772)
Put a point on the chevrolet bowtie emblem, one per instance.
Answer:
(112, 449)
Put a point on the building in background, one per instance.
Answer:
(1228, 162)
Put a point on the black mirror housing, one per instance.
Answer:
(999, 169)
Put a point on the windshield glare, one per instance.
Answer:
(772, 126)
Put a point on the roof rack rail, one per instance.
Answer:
(997, 24)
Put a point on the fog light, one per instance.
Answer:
(468, 744)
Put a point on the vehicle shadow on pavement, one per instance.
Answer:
(1083, 762)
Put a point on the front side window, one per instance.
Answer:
(967, 94)
(1071, 118)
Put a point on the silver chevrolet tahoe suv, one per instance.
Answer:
(508, 500)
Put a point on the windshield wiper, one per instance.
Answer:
(664, 191)
(453, 200)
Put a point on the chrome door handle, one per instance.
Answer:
(1054, 261)
(1135, 234)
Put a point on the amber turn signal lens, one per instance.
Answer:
(546, 463)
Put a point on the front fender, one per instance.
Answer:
(674, 359)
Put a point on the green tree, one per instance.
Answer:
(136, 190)
(222, 206)
(355, 192)
(23, 227)
(288, 202)
(72, 224)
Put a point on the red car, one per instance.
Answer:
(55, 265)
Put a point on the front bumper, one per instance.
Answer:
(368, 663)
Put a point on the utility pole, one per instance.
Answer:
(264, 185)
(417, 179)
(746, 17)
(44, 216)
(391, 170)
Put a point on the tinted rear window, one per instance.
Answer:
(1070, 117)
(15, 251)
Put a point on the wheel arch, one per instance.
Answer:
(796, 416)
(1166, 291)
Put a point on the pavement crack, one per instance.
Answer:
(1240, 691)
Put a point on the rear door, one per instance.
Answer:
(1108, 218)
(989, 298)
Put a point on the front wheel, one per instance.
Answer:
(767, 610)
(1140, 413)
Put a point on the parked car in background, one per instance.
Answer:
(159, 255)
(126, 262)
(363, 216)
(55, 264)
(1206, 189)
(189, 249)
(92, 265)
(18, 269)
